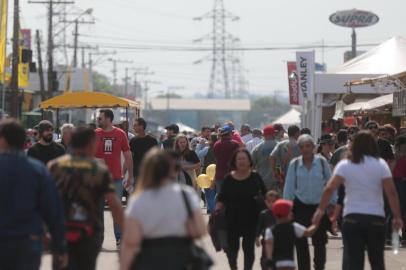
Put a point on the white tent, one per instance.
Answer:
(183, 127)
(292, 117)
(372, 104)
(386, 59)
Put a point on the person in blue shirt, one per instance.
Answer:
(28, 199)
(306, 178)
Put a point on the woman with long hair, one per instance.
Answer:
(189, 161)
(240, 196)
(366, 178)
(158, 232)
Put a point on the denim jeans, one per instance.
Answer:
(210, 195)
(18, 254)
(362, 232)
(118, 185)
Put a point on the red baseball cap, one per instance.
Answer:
(281, 208)
(269, 130)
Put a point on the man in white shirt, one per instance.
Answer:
(256, 139)
(246, 134)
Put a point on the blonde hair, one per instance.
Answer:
(155, 169)
(176, 144)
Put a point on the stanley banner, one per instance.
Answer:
(3, 38)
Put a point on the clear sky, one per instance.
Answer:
(129, 23)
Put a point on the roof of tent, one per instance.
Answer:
(71, 100)
(387, 58)
(292, 117)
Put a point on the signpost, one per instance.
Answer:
(354, 18)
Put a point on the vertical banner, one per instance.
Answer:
(293, 84)
(25, 38)
(3, 38)
(305, 64)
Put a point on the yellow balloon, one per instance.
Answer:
(211, 171)
(203, 181)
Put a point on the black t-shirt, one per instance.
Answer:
(46, 153)
(238, 196)
(283, 242)
(168, 143)
(385, 149)
(191, 157)
(139, 147)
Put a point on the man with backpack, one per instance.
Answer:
(305, 180)
(84, 183)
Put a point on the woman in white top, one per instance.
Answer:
(157, 231)
(366, 178)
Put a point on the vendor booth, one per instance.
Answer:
(332, 87)
(88, 100)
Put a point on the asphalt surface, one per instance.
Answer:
(108, 258)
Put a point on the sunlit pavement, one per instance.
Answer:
(108, 258)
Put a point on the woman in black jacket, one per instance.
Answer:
(241, 196)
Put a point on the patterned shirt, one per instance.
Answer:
(82, 183)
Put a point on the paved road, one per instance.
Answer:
(108, 258)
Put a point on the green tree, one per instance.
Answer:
(265, 110)
(101, 83)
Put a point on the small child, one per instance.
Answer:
(280, 238)
(266, 220)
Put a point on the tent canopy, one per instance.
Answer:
(372, 104)
(292, 117)
(76, 100)
(387, 58)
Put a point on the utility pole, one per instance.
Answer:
(15, 108)
(146, 89)
(40, 70)
(50, 49)
(114, 71)
(76, 39)
(137, 71)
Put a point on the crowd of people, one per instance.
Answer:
(273, 188)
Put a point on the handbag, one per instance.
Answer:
(198, 258)
(259, 196)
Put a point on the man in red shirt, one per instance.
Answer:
(111, 142)
(223, 151)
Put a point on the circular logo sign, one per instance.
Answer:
(354, 18)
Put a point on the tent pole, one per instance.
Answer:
(57, 122)
(126, 119)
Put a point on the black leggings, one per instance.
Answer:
(248, 247)
(362, 232)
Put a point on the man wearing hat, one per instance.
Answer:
(171, 133)
(46, 149)
(260, 157)
(327, 146)
(223, 151)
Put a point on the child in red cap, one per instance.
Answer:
(280, 238)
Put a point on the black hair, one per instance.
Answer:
(108, 114)
(364, 144)
(342, 136)
(82, 136)
(305, 131)
(293, 130)
(204, 128)
(233, 163)
(13, 133)
(141, 121)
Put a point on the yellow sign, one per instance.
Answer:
(23, 73)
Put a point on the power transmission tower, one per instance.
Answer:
(219, 76)
(50, 49)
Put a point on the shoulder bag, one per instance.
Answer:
(198, 258)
